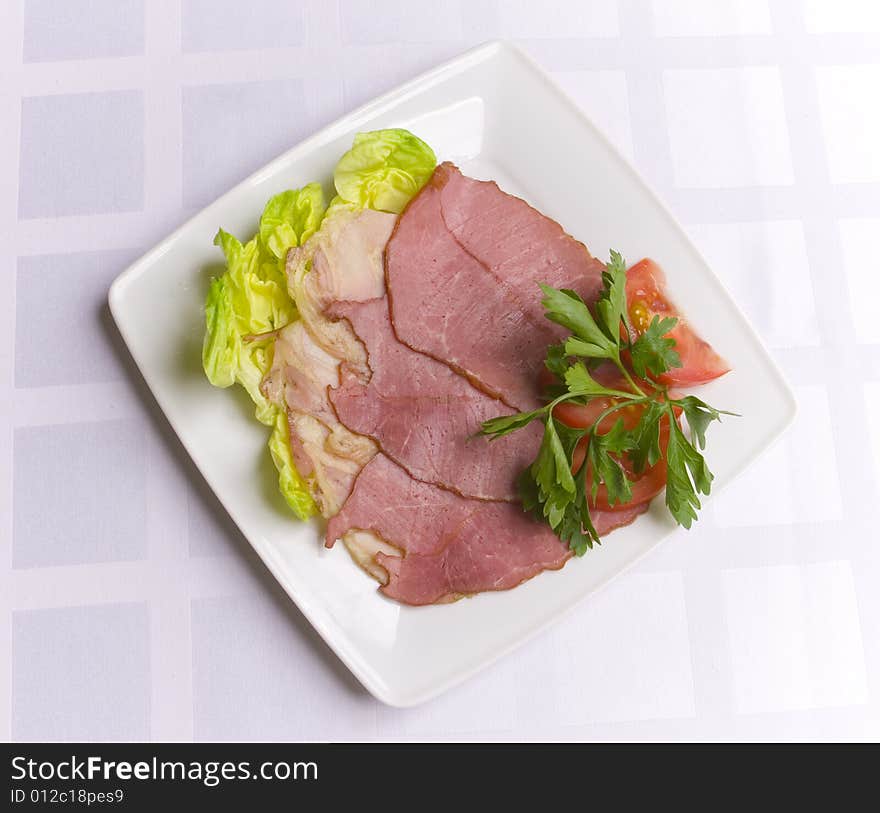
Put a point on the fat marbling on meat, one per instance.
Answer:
(384, 429)
(462, 270)
(446, 545)
(424, 415)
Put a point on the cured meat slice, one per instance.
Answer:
(386, 435)
(343, 259)
(470, 564)
(462, 270)
(325, 452)
(327, 459)
(424, 415)
(448, 545)
(341, 262)
(300, 373)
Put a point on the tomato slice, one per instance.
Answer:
(646, 298)
(583, 416)
(645, 485)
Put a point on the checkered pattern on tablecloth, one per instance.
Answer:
(130, 608)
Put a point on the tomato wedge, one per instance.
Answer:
(583, 416)
(646, 484)
(646, 298)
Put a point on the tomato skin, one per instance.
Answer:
(583, 416)
(645, 485)
(646, 298)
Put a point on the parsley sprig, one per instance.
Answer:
(549, 487)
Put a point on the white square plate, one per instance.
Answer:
(497, 115)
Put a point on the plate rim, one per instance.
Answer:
(361, 669)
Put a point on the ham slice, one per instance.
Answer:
(425, 416)
(384, 430)
(300, 373)
(342, 260)
(448, 545)
(325, 452)
(462, 270)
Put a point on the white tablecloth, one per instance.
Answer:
(132, 608)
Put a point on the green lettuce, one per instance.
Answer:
(338, 204)
(384, 169)
(248, 304)
(255, 360)
(222, 341)
(290, 218)
(292, 485)
(245, 308)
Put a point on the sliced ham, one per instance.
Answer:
(363, 547)
(342, 260)
(300, 374)
(443, 545)
(425, 416)
(385, 430)
(478, 561)
(325, 452)
(462, 270)
(329, 472)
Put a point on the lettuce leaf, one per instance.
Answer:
(258, 288)
(290, 218)
(384, 169)
(254, 362)
(338, 203)
(245, 308)
(222, 341)
(250, 303)
(292, 485)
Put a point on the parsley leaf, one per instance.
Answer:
(552, 471)
(578, 347)
(606, 468)
(505, 424)
(576, 528)
(687, 475)
(580, 382)
(699, 415)
(645, 438)
(611, 305)
(528, 493)
(557, 361)
(566, 308)
(653, 352)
